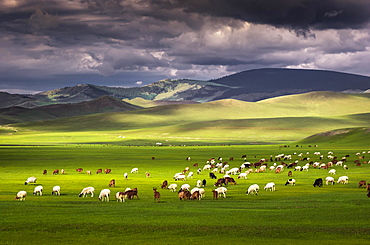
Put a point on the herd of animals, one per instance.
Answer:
(217, 166)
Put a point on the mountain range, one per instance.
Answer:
(252, 85)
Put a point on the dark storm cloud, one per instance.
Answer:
(295, 14)
(199, 39)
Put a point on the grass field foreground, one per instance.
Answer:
(298, 214)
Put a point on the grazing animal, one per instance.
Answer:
(190, 175)
(88, 172)
(56, 190)
(185, 187)
(199, 183)
(87, 190)
(147, 174)
(62, 171)
(290, 182)
(212, 176)
(332, 171)
(183, 195)
(56, 171)
(172, 187)
(195, 195)
(243, 176)
(130, 194)
(125, 175)
(179, 176)
(220, 182)
(30, 180)
(164, 184)
(318, 182)
(207, 167)
(270, 186)
(215, 194)
(368, 187)
(195, 165)
(362, 183)
(204, 183)
(38, 190)
(329, 179)
(134, 170)
(112, 183)
(230, 180)
(120, 196)
(99, 171)
(79, 170)
(290, 174)
(21, 196)
(253, 189)
(45, 172)
(157, 195)
(343, 180)
(104, 195)
(221, 191)
(107, 171)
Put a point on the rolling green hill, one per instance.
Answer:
(277, 120)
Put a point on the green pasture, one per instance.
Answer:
(300, 214)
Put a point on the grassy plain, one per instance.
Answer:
(298, 214)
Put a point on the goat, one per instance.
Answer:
(157, 195)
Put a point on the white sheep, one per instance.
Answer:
(185, 187)
(104, 195)
(38, 190)
(243, 175)
(179, 177)
(21, 196)
(221, 191)
(199, 183)
(172, 187)
(125, 175)
(332, 171)
(343, 180)
(207, 167)
(87, 190)
(329, 179)
(305, 168)
(134, 170)
(30, 180)
(56, 190)
(233, 171)
(190, 175)
(270, 186)
(253, 189)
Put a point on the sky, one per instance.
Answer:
(50, 44)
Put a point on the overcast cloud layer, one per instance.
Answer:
(48, 44)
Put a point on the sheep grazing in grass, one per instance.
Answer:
(134, 170)
(87, 190)
(270, 186)
(112, 183)
(362, 183)
(318, 182)
(38, 190)
(164, 184)
(183, 195)
(221, 191)
(30, 180)
(200, 190)
(125, 175)
(343, 180)
(185, 187)
(332, 171)
(253, 189)
(104, 195)
(172, 187)
(56, 190)
(329, 179)
(21, 196)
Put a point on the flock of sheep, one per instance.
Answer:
(218, 166)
